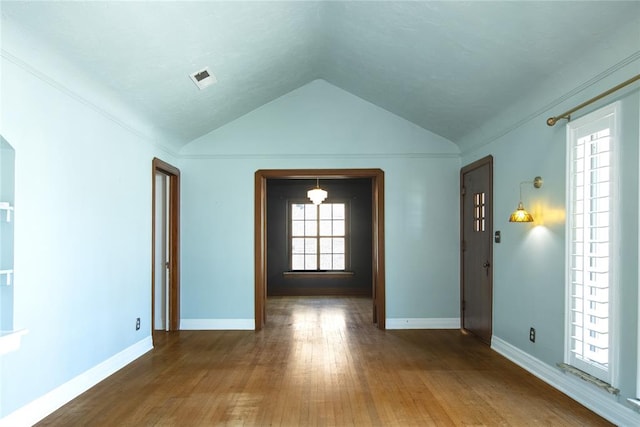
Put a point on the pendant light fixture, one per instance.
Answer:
(520, 214)
(317, 195)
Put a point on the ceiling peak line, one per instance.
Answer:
(73, 94)
(554, 103)
(306, 156)
(551, 121)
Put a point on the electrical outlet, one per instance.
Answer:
(532, 335)
(138, 324)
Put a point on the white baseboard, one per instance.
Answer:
(599, 401)
(423, 323)
(38, 409)
(217, 324)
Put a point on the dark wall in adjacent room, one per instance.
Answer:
(357, 193)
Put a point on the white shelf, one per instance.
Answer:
(9, 274)
(6, 206)
(10, 340)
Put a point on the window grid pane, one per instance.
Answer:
(318, 236)
(297, 228)
(479, 212)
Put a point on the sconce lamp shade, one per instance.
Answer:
(520, 215)
(317, 195)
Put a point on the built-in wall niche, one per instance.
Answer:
(7, 218)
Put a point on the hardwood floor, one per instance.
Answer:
(321, 362)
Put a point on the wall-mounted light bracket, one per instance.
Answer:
(520, 214)
(537, 182)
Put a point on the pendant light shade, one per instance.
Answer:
(317, 195)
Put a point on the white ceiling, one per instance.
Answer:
(430, 62)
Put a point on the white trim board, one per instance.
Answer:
(424, 323)
(599, 401)
(217, 324)
(38, 409)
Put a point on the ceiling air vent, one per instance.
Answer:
(203, 78)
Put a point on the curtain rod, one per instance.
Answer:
(567, 114)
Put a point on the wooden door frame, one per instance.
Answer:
(488, 160)
(260, 229)
(173, 173)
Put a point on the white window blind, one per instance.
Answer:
(590, 240)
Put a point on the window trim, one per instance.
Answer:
(614, 109)
(314, 274)
(347, 243)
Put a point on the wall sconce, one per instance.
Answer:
(317, 195)
(520, 214)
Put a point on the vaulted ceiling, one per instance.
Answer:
(430, 62)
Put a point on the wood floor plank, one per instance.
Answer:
(320, 362)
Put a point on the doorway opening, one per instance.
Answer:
(377, 247)
(165, 249)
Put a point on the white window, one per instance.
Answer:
(591, 241)
(318, 236)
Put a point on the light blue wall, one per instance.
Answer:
(83, 202)
(320, 126)
(82, 225)
(529, 264)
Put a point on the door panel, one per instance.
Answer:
(477, 248)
